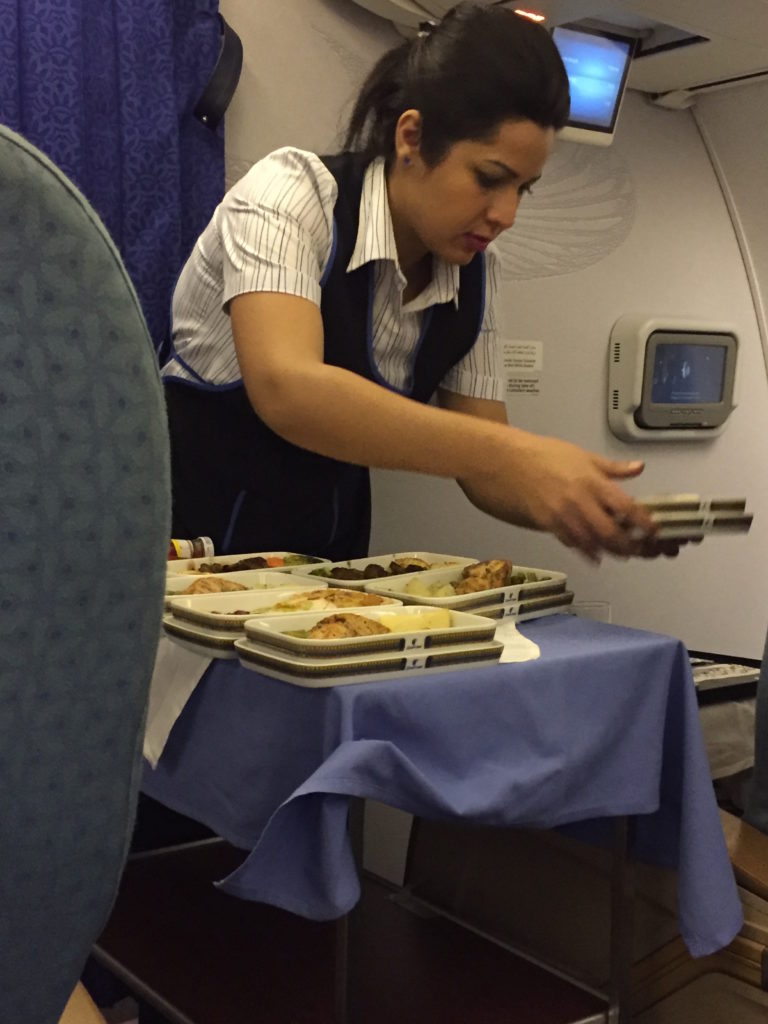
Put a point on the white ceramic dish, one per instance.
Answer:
(182, 566)
(547, 584)
(231, 611)
(251, 579)
(411, 630)
(327, 672)
(382, 560)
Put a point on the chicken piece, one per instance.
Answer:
(374, 571)
(300, 599)
(334, 627)
(330, 597)
(212, 585)
(484, 576)
(403, 565)
(209, 567)
(351, 598)
(255, 562)
(343, 572)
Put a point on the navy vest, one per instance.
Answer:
(238, 482)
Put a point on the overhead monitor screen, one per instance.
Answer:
(684, 373)
(597, 64)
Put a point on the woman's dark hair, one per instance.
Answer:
(478, 67)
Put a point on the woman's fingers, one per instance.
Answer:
(621, 469)
(573, 494)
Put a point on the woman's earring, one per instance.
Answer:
(407, 161)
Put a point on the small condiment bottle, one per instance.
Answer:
(198, 547)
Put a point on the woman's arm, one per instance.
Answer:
(517, 476)
(279, 344)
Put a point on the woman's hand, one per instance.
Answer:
(547, 484)
(552, 485)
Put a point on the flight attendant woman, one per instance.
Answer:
(330, 297)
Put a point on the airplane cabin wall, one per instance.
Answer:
(735, 123)
(639, 226)
(679, 257)
(303, 62)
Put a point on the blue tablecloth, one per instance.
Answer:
(604, 723)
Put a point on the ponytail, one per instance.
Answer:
(478, 67)
(371, 127)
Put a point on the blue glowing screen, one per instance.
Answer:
(688, 373)
(596, 66)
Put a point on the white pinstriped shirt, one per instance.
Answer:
(273, 232)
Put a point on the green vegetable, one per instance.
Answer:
(300, 559)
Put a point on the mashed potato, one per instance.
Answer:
(421, 589)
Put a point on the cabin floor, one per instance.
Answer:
(220, 960)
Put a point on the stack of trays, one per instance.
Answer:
(420, 640)
(211, 623)
(691, 517)
(352, 572)
(543, 593)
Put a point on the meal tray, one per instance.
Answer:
(383, 560)
(696, 525)
(463, 628)
(662, 503)
(535, 608)
(210, 642)
(220, 611)
(548, 583)
(252, 580)
(184, 566)
(329, 672)
(692, 517)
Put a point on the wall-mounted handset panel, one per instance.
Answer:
(670, 378)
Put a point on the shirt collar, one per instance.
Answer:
(376, 241)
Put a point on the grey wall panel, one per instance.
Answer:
(642, 226)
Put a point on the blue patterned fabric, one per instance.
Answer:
(84, 527)
(107, 90)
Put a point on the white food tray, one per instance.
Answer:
(213, 643)
(535, 608)
(662, 503)
(460, 628)
(692, 517)
(548, 583)
(180, 566)
(696, 525)
(326, 672)
(231, 611)
(383, 560)
(251, 579)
